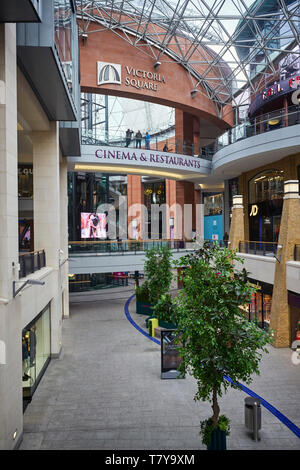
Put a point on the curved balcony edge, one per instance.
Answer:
(139, 161)
(268, 147)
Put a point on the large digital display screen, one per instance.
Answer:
(93, 225)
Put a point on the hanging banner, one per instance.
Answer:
(170, 359)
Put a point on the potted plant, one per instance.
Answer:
(217, 340)
(143, 303)
(165, 312)
(214, 437)
(158, 273)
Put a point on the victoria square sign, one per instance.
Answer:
(110, 73)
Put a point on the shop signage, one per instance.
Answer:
(254, 210)
(109, 73)
(273, 92)
(26, 169)
(257, 286)
(138, 78)
(283, 85)
(152, 158)
(170, 359)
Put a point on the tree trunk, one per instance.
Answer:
(215, 407)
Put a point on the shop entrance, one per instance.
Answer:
(260, 306)
(36, 351)
(265, 228)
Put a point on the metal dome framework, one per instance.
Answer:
(227, 39)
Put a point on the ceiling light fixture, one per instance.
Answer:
(128, 170)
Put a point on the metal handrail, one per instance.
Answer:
(176, 146)
(121, 247)
(259, 125)
(297, 252)
(258, 247)
(31, 262)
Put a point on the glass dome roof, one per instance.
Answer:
(232, 40)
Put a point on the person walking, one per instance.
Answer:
(128, 137)
(138, 139)
(147, 138)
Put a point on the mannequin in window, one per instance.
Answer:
(32, 339)
(25, 356)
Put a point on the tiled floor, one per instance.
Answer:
(105, 391)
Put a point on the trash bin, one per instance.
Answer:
(253, 416)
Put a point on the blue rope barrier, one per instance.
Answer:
(281, 417)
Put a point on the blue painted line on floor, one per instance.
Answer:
(287, 422)
(155, 340)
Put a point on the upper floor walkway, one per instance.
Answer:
(246, 146)
(258, 142)
(128, 160)
(113, 256)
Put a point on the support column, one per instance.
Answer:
(64, 246)
(178, 195)
(46, 204)
(184, 131)
(135, 201)
(11, 413)
(289, 235)
(237, 232)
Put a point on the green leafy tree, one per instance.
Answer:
(158, 271)
(217, 339)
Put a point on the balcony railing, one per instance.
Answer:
(121, 247)
(258, 248)
(260, 125)
(177, 146)
(31, 262)
(297, 253)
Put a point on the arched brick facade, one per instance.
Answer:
(171, 84)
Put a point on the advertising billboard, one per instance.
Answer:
(93, 225)
(170, 358)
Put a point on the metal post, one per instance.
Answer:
(255, 423)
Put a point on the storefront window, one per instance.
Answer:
(213, 205)
(155, 193)
(259, 308)
(87, 191)
(25, 180)
(36, 351)
(96, 281)
(266, 186)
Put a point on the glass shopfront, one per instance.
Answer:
(155, 193)
(87, 191)
(96, 281)
(294, 307)
(36, 351)
(265, 206)
(213, 216)
(25, 180)
(260, 306)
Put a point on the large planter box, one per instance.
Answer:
(162, 324)
(218, 440)
(167, 325)
(144, 308)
